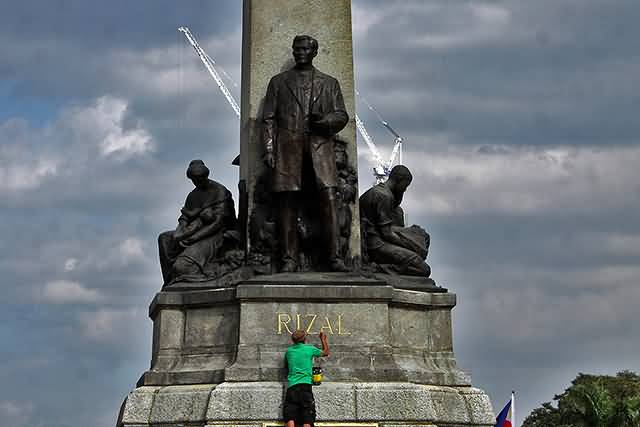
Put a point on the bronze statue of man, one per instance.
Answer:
(303, 110)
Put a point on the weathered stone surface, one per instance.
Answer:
(295, 288)
(195, 336)
(413, 424)
(170, 328)
(181, 299)
(181, 377)
(393, 401)
(439, 323)
(211, 326)
(137, 407)
(409, 297)
(335, 401)
(359, 335)
(233, 424)
(377, 333)
(168, 336)
(448, 404)
(409, 327)
(181, 404)
(246, 401)
(315, 278)
(251, 403)
(479, 406)
(417, 283)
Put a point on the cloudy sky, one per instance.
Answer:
(521, 131)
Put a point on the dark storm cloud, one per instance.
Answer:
(72, 49)
(503, 72)
(117, 24)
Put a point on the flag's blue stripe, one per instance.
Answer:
(503, 414)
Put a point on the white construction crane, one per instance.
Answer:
(383, 168)
(380, 171)
(209, 64)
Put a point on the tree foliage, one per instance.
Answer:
(593, 401)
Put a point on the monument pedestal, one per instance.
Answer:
(259, 404)
(218, 355)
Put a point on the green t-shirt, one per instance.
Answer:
(300, 362)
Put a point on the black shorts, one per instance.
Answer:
(299, 404)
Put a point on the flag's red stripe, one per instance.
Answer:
(506, 423)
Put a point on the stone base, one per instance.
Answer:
(415, 283)
(259, 404)
(376, 332)
(218, 360)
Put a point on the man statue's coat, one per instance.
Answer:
(284, 117)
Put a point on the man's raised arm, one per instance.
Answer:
(325, 344)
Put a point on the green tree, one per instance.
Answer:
(593, 401)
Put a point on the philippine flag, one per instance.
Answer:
(505, 417)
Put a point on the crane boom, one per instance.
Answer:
(397, 142)
(367, 138)
(397, 145)
(397, 149)
(380, 170)
(209, 64)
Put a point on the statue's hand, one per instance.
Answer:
(269, 160)
(321, 126)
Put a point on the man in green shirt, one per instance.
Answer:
(299, 404)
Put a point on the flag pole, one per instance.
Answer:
(513, 407)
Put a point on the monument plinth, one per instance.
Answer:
(224, 318)
(377, 333)
(218, 355)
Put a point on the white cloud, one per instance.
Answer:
(365, 18)
(106, 325)
(467, 24)
(81, 135)
(18, 177)
(177, 71)
(490, 13)
(102, 122)
(623, 244)
(16, 412)
(523, 180)
(129, 143)
(534, 313)
(65, 291)
(70, 264)
(20, 168)
(131, 248)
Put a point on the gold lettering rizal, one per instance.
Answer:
(312, 323)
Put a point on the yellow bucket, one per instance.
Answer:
(317, 375)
